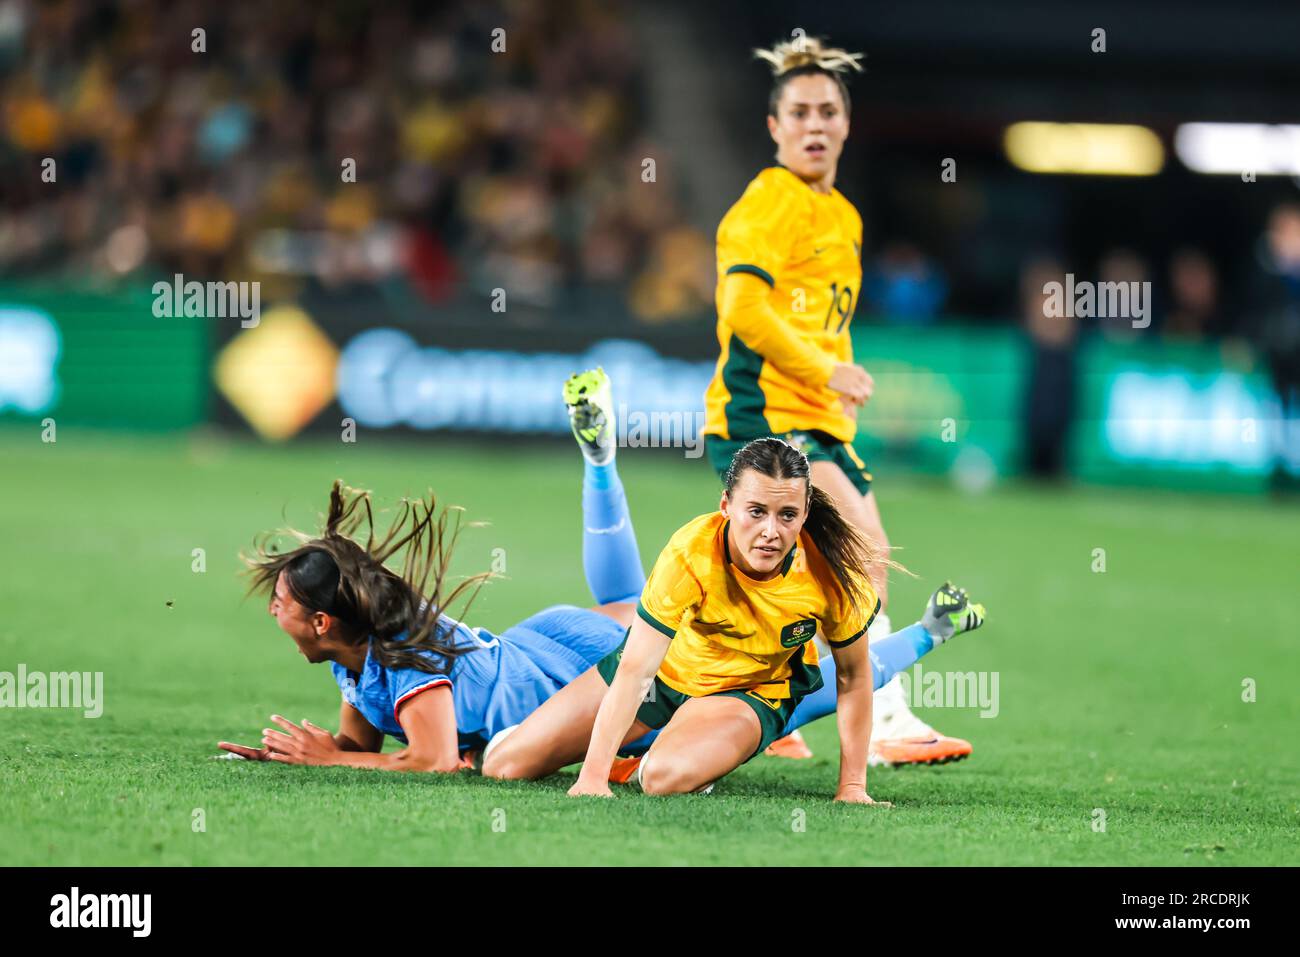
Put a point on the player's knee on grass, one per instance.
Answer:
(508, 764)
(669, 774)
(497, 766)
(510, 768)
(506, 760)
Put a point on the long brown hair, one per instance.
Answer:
(336, 574)
(849, 553)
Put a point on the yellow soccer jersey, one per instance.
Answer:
(807, 247)
(730, 631)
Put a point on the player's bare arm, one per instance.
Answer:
(641, 659)
(853, 717)
(428, 720)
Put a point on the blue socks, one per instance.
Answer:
(897, 652)
(610, 558)
(889, 656)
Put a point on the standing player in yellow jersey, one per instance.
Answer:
(789, 275)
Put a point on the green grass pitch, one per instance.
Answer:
(1119, 690)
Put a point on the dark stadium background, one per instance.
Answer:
(521, 171)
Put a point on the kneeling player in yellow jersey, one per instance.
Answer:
(719, 653)
(789, 277)
(722, 646)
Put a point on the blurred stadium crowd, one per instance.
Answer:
(475, 168)
(471, 165)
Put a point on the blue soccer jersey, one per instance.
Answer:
(496, 684)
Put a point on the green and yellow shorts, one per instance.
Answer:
(661, 701)
(818, 446)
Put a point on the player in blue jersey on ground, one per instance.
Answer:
(407, 668)
(404, 666)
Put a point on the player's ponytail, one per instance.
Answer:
(805, 55)
(337, 574)
(848, 552)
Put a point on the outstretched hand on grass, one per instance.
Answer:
(306, 745)
(244, 751)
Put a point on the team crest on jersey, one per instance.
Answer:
(798, 632)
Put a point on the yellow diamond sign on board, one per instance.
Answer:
(279, 374)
